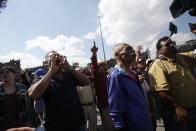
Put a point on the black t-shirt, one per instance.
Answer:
(63, 108)
(11, 114)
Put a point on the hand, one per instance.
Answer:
(65, 63)
(22, 129)
(138, 50)
(181, 113)
(55, 64)
(141, 78)
(94, 49)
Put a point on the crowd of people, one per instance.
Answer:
(129, 97)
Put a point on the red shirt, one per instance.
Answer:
(100, 83)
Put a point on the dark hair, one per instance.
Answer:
(30, 73)
(10, 68)
(158, 45)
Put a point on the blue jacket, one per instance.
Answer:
(127, 104)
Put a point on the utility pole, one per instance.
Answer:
(102, 39)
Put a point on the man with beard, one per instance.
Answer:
(128, 106)
(172, 78)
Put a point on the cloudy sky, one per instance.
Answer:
(29, 29)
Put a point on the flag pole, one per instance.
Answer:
(102, 39)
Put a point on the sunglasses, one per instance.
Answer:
(132, 53)
(170, 43)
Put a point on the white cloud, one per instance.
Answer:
(152, 49)
(26, 60)
(133, 21)
(69, 46)
(72, 47)
(91, 35)
(181, 38)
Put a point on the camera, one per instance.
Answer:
(179, 7)
(192, 27)
(172, 28)
(58, 59)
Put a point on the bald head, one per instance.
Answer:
(124, 54)
(118, 48)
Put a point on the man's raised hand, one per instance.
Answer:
(94, 49)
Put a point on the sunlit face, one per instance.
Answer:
(52, 54)
(127, 54)
(7, 75)
(169, 48)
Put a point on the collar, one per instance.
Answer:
(132, 74)
(167, 58)
(121, 70)
(19, 88)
